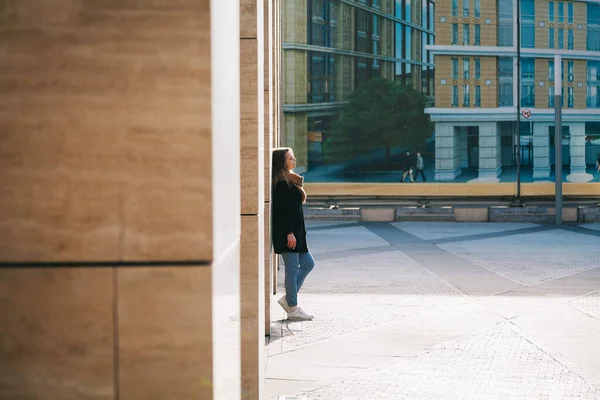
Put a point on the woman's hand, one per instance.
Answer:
(291, 241)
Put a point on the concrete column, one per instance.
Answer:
(252, 141)
(490, 165)
(541, 150)
(447, 152)
(464, 148)
(577, 149)
(121, 209)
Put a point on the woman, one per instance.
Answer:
(289, 232)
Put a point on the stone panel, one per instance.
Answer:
(252, 126)
(165, 333)
(82, 119)
(252, 306)
(57, 334)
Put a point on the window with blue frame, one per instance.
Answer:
(477, 68)
(570, 71)
(455, 8)
(466, 35)
(561, 11)
(570, 17)
(528, 24)
(550, 96)
(570, 39)
(561, 38)
(551, 38)
(593, 84)
(477, 8)
(593, 27)
(466, 96)
(527, 82)
(454, 68)
(454, 96)
(465, 8)
(321, 32)
(551, 11)
(455, 34)
(570, 97)
(505, 81)
(477, 28)
(477, 96)
(505, 23)
(466, 69)
(321, 83)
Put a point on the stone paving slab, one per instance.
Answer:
(496, 364)
(595, 226)
(341, 239)
(532, 258)
(445, 230)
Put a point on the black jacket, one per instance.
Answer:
(288, 218)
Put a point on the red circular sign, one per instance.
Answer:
(526, 113)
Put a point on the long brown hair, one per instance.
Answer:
(279, 172)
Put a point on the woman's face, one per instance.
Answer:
(290, 160)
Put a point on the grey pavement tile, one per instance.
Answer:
(341, 239)
(347, 294)
(595, 226)
(532, 258)
(317, 225)
(328, 255)
(454, 230)
(498, 363)
(588, 303)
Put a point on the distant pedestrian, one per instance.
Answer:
(407, 167)
(420, 166)
(289, 231)
(598, 163)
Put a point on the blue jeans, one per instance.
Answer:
(297, 267)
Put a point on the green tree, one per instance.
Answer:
(380, 114)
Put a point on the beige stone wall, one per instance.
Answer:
(295, 80)
(294, 21)
(541, 75)
(294, 135)
(111, 155)
(443, 66)
(489, 71)
(580, 16)
(489, 32)
(580, 76)
(443, 30)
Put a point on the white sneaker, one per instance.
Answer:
(283, 303)
(299, 315)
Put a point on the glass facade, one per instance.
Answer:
(527, 23)
(411, 66)
(593, 27)
(505, 82)
(505, 23)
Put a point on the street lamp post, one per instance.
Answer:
(518, 201)
(558, 138)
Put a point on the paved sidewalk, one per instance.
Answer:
(419, 310)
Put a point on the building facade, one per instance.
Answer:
(476, 89)
(332, 46)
